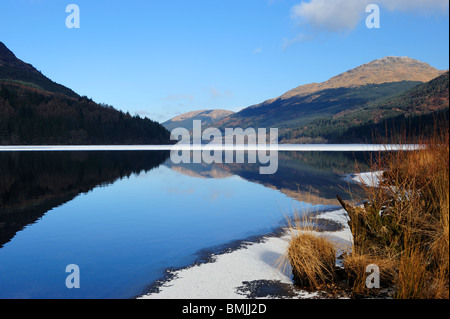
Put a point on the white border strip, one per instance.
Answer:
(215, 147)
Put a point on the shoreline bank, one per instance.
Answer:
(258, 268)
(252, 270)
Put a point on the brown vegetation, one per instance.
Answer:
(403, 228)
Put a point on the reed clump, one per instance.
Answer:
(312, 259)
(403, 227)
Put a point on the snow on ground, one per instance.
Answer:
(219, 279)
(342, 239)
(371, 179)
(265, 260)
(262, 261)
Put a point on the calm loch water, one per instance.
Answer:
(126, 217)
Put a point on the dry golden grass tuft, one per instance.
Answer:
(312, 259)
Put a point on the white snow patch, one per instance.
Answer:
(257, 261)
(371, 179)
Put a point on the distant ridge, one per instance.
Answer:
(206, 116)
(384, 70)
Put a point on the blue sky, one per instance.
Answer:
(163, 58)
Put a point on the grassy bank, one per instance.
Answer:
(403, 227)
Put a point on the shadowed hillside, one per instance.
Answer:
(305, 113)
(35, 110)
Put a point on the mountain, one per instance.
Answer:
(297, 108)
(206, 116)
(385, 70)
(414, 111)
(14, 70)
(35, 110)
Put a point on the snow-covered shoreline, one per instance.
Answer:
(224, 277)
(259, 262)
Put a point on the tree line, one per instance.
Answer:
(29, 116)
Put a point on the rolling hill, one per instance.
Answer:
(206, 116)
(413, 111)
(368, 84)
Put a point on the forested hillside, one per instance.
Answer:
(413, 112)
(36, 110)
(30, 116)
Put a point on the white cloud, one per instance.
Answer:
(336, 15)
(142, 113)
(216, 94)
(153, 116)
(342, 15)
(157, 116)
(298, 38)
